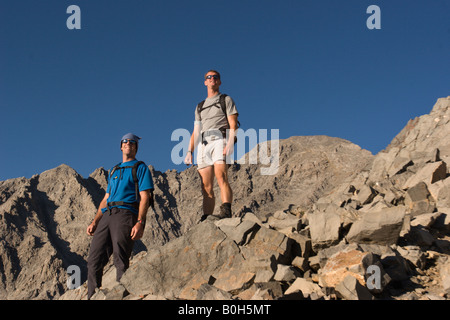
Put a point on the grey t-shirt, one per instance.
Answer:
(212, 116)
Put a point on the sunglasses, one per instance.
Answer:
(129, 140)
(215, 76)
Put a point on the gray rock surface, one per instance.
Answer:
(330, 211)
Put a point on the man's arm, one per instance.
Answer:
(229, 148)
(192, 143)
(91, 228)
(138, 229)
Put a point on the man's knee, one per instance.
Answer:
(222, 176)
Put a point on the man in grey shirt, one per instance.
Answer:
(214, 133)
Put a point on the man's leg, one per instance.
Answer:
(99, 253)
(121, 224)
(207, 179)
(221, 173)
(226, 194)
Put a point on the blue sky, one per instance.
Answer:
(303, 67)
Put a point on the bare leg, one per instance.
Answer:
(221, 173)
(207, 178)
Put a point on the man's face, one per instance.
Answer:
(212, 80)
(129, 147)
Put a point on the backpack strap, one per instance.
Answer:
(117, 166)
(223, 104)
(224, 107)
(200, 107)
(135, 179)
(136, 186)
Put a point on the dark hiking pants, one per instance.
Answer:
(112, 236)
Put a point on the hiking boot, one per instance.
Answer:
(225, 211)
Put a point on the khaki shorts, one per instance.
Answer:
(212, 152)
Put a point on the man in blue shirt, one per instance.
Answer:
(120, 218)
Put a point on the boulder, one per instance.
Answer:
(351, 289)
(237, 230)
(358, 264)
(286, 273)
(204, 250)
(381, 227)
(307, 288)
(365, 195)
(270, 245)
(426, 220)
(430, 173)
(419, 200)
(282, 220)
(444, 272)
(414, 255)
(324, 228)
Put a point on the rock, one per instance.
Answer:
(264, 275)
(426, 220)
(204, 250)
(430, 173)
(324, 228)
(267, 243)
(351, 289)
(282, 220)
(414, 255)
(271, 290)
(365, 195)
(399, 165)
(301, 263)
(444, 272)
(286, 273)
(356, 263)
(420, 236)
(209, 292)
(442, 192)
(237, 230)
(117, 293)
(335, 191)
(301, 245)
(190, 290)
(419, 199)
(443, 221)
(307, 288)
(233, 280)
(381, 227)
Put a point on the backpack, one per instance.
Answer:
(136, 187)
(223, 106)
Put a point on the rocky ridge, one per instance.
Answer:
(334, 222)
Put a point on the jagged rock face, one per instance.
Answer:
(41, 219)
(47, 215)
(325, 194)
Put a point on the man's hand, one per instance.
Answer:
(137, 231)
(228, 150)
(91, 229)
(188, 159)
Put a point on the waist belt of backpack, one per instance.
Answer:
(135, 205)
(221, 133)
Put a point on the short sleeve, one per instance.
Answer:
(145, 178)
(230, 106)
